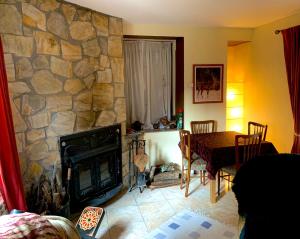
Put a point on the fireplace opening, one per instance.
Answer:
(92, 165)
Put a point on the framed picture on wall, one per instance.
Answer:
(208, 83)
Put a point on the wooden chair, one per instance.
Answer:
(201, 127)
(205, 126)
(246, 147)
(188, 162)
(254, 128)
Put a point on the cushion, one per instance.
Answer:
(197, 163)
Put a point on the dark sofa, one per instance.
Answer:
(267, 189)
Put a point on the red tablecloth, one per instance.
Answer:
(218, 149)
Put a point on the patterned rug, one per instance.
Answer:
(189, 225)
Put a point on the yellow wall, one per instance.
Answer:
(201, 46)
(266, 88)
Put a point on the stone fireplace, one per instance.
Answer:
(65, 74)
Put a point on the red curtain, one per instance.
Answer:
(291, 41)
(10, 175)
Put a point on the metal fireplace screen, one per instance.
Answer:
(92, 165)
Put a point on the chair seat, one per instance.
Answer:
(197, 163)
(230, 170)
(189, 161)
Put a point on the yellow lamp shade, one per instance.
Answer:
(234, 112)
(235, 125)
(230, 95)
(235, 88)
(235, 101)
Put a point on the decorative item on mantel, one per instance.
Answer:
(179, 118)
(164, 123)
(137, 126)
(156, 125)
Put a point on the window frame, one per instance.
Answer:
(179, 65)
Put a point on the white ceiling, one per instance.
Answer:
(217, 13)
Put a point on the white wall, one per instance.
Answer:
(162, 147)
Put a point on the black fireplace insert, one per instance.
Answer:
(92, 165)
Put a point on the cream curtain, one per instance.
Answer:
(148, 74)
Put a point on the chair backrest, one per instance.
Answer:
(204, 126)
(246, 147)
(185, 143)
(254, 128)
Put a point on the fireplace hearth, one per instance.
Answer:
(92, 165)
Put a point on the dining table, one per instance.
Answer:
(218, 150)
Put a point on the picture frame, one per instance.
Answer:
(208, 83)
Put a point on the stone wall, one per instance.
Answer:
(65, 74)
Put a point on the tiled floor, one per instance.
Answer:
(189, 225)
(133, 214)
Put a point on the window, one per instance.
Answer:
(151, 79)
